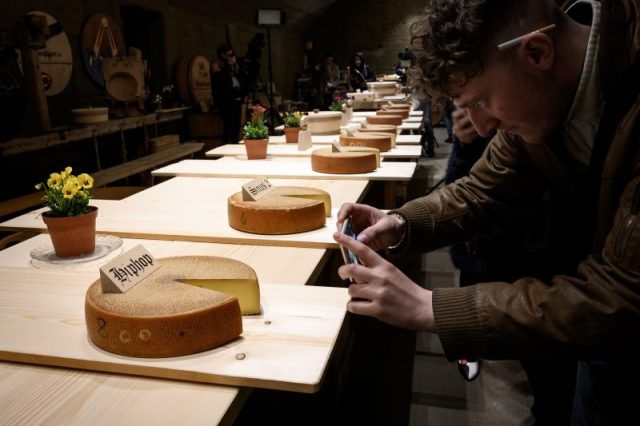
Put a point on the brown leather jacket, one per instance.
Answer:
(593, 313)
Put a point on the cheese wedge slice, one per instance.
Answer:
(246, 290)
(164, 317)
(350, 160)
(285, 210)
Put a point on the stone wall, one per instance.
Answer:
(379, 29)
(190, 27)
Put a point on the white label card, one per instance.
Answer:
(304, 140)
(335, 146)
(256, 189)
(127, 270)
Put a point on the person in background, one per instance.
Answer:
(428, 138)
(448, 121)
(405, 59)
(560, 88)
(330, 78)
(505, 257)
(228, 85)
(361, 72)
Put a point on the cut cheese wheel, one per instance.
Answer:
(380, 141)
(395, 120)
(285, 210)
(403, 113)
(350, 160)
(163, 316)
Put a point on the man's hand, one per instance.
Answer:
(375, 228)
(382, 291)
(462, 127)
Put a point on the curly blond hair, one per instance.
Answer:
(455, 38)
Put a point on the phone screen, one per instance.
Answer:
(347, 255)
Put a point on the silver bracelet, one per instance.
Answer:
(404, 231)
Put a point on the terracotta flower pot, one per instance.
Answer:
(73, 235)
(256, 148)
(291, 134)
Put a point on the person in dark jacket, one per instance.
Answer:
(361, 72)
(229, 89)
(506, 256)
(561, 88)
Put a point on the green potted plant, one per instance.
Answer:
(71, 221)
(291, 126)
(256, 135)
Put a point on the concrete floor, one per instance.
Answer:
(440, 396)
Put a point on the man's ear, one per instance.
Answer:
(539, 50)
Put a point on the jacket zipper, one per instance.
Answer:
(629, 223)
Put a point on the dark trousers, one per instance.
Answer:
(230, 114)
(607, 394)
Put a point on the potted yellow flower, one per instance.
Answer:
(291, 126)
(256, 135)
(71, 221)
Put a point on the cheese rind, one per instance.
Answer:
(285, 210)
(381, 141)
(358, 160)
(163, 317)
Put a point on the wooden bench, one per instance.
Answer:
(121, 171)
(106, 176)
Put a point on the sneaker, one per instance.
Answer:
(468, 369)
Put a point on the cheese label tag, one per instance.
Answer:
(352, 129)
(304, 140)
(335, 146)
(256, 189)
(127, 270)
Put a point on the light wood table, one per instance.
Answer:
(395, 175)
(31, 394)
(402, 139)
(83, 397)
(309, 262)
(286, 347)
(195, 209)
(400, 152)
(282, 168)
(410, 126)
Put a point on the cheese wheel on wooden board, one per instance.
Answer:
(285, 210)
(403, 113)
(393, 107)
(380, 128)
(350, 160)
(381, 141)
(395, 120)
(168, 314)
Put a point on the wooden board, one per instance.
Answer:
(195, 209)
(287, 347)
(32, 394)
(319, 139)
(309, 262)
(278, 167)
(400, 152)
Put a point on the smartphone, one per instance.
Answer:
(347, 255)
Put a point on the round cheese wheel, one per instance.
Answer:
(395, 120)
(381, 141)
(285, 210)
(350, 160)
(162, 316)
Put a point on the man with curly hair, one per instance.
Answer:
(561, 89)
